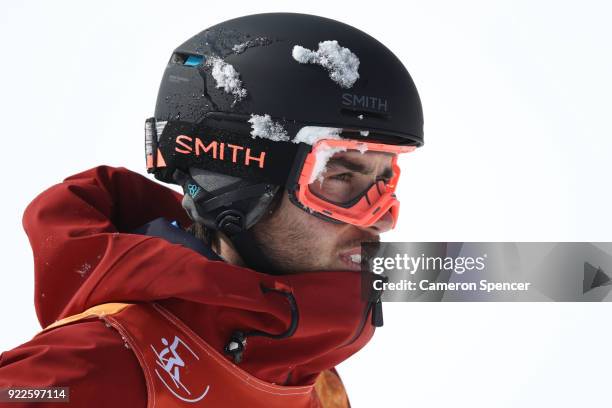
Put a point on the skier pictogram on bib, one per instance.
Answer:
(175, 359)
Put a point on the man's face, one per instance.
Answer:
(297, 241)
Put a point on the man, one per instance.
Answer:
(284, 131)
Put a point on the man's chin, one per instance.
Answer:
(342, 264)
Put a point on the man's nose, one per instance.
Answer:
(383, 224)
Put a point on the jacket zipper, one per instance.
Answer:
(377, 319)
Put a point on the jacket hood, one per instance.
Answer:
(85, 253)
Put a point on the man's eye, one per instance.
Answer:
(342, 177)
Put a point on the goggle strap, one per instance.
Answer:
(186, 145)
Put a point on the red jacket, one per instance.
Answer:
(85, 255)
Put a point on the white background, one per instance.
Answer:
(516, 97)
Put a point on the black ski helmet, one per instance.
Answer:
(382, 100)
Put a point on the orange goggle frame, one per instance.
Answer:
(366, 210)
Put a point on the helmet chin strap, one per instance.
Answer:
(252, 254)
(232, 211)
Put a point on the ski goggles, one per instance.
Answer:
(344, 180)
(349, 181)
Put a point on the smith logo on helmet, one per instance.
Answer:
(365, 102)
(219, 151)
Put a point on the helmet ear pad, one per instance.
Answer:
(210, 211)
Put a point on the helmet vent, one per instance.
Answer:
(186, 59)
